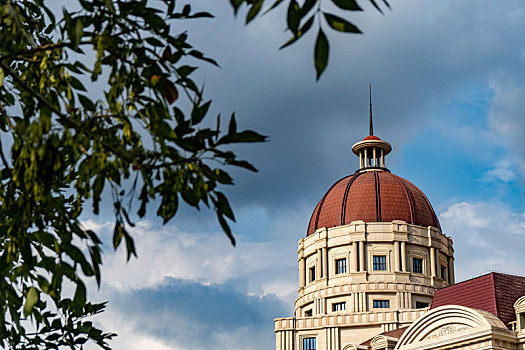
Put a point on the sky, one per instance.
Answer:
(448, 83)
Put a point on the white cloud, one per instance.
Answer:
(507, 116)
(265, 265)
(488, 236)
(503, 170)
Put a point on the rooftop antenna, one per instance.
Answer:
(370, 94)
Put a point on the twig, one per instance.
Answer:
(63, 119)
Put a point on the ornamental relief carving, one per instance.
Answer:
(446, 330)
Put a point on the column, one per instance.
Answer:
(374, 153)
(382, 158)
(324, 252)
(451, 278)
(438, 264)
(318, 265)
(361, 166)
(403, 257)
(433, 262)
(361, 256)
(354, 257)
(302, 272)
(396, 256)
(366, 159)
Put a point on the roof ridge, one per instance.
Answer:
(320, 205)
(345, 197)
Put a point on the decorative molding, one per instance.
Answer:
(446, 330)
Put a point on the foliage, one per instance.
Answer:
(301, 16)
(136, 142)
(146, 140)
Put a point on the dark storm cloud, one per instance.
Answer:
(417, 57)
(191, 315)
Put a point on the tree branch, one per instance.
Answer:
(63, 119)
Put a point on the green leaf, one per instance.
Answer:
(2, 76)
(349, 5)
(186, 10)
(274, 5)
(321, 53)
(293, 17)
(130, 246)
(226, 228)
(80, 294)
(374, 3)
(200, 56)
(31, 299)
(340, 24)
(224, 206)
(242, 137)
(236, 4)
(301, 32)
(184, 71)
(307, 6)
(198, 113)
(86, 102)
(232, 128)
(202, 14)
(254, 10)
(75, 31)
(118, 233)
(76, 84)
(154, 42)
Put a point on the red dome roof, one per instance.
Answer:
(372, 196)
(371, 137)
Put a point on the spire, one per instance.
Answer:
(371, 150)
(371, 123)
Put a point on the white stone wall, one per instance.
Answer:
(360, 285)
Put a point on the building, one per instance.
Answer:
(376, 272)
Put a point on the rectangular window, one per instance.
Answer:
(312, 273)
(418, 265)
(308, 313)
(339, 306)
(420, 305)
(444, 272)
(340, 266)
(381, 304)
(309, 343)
(379, 262)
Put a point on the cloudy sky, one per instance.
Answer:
(448, 91)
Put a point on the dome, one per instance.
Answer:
(372, 196)
(371, 137)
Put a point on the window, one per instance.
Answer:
(308, 313)
(340, 266)
(420, 305)
(312, 273)
(381, 304)
(339, 306)
(309, 343)
(444, 272)
(379, 262)
(417, 265)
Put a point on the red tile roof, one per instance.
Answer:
(396, 333)
(494, 292)
(372, 196)
(371, 137)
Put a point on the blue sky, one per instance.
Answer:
(448, 90)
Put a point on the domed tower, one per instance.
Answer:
(371, 260)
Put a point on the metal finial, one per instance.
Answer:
(371, 124)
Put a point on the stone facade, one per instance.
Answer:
(339, 282)
(370, 284)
